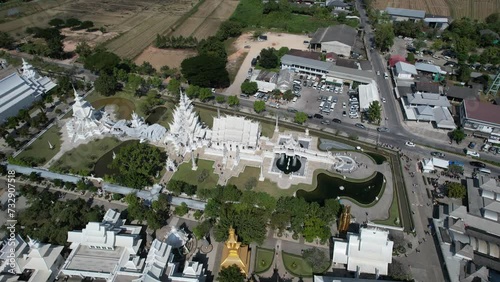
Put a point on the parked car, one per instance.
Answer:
(437, 154)
(292, 110)
(478, 164)
(336, 120)
(360, 125)
(472, 145)
(327, 122)
(383, 129)
(472, 153)
(383, 100)
(344, 113)
(410, 144)
(318, 116)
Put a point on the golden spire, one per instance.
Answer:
(235, 253)
(345, 219)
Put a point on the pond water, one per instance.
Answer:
(156, 115)
(379, 159)
(101, 166)
(288, 164)
(329, 187)
(125, 106)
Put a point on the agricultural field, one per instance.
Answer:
(205, 21)
(134, 24)
(161, 57)
(475, 9)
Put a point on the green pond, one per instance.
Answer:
(379, 159)
(328, 187)
(156, 115)
(101, 166)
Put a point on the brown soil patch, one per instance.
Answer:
(161, 57)
(72, 38)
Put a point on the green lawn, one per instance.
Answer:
(206, 116)
(393, 214)
(296, 265)
(84, 157)
(40, 148)
(184, 173)
(263, 259)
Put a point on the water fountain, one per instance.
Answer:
(288, 164)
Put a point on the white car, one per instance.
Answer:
(410, 144)
(383, 100)
(378, 72)
(344, 105)
(473, 153)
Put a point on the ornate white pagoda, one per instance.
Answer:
(137, 128)
(186, 131)
(86, 121)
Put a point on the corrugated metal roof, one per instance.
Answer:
(341, 33)
(305, 62)
(405, 13)
(427, 67)
(402, 67)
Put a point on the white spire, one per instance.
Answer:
(28, 71)
(34, 244)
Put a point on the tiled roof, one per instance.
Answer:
(482, 111)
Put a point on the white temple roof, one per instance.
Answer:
(235, 129)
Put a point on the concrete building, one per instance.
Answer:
(104, 250)
(285, 80)
(34, 262)
(20, 91)
(469, 237)
(461, 93)
(266, 80)
(481, 117)
(339, 39)
(404, 70)
(437, 22)
(428, 107)
(370, 251)
(368, 93)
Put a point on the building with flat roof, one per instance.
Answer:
(399, 14)
(103, 250)
(428, 107)
(20, 91)
(370, 251)
(339, 39)
(235, 131)
(429, 68)
(460, 93)
(368, 93)
(480, 117)
(34, 261)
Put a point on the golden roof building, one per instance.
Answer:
(235, 253)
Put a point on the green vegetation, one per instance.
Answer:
(458, 135)
(283, 16)
(455, 190)
(231, 274)
(206, 71)
(384, 36)
(186, 174)
(317, 259)
(137, 164)
(263, 259)
(81, 160)
(233, 101)
(249, 88)
(296, 265)
(156, 215)
(375, 112)
(300, 117)
(393, 219)
(39, 151)
(259, 106)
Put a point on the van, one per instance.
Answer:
(294, 99)
(321, 105)
(330, 99)
(274, 105)
(315, 85)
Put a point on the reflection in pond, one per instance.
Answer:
(101, 167)
(156, 115)
(330, 187)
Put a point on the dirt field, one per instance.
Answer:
(207, 19)
(476, 9)
(161, 57)
(72, 38)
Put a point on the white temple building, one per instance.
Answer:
(235, 131)
(87, 123)
(20, 91)
(105, 249)
(33, 261)
(369, 252)
(186, 131)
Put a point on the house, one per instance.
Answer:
(370, 251)
(339, 39)
(285, 80)
(368, 93)
(427, 87)
(306, 54)
(437, 22)
(346, 63)
(266, 80)
(33, 261)
(404, 70)
(429, 107)
(338, 5)
(398, 14)
(460, 93)
(20, 91)
(481, 117)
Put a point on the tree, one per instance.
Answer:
(137, 163)
(455, 190)
(213, 47)
(146, 68)
(220, 99)
(57, 23)
(300, 117)
(249, 87)
(384, 36)
(206, 71)
(181, 210)
(317, 259)
(105, 84)
(251, 183)
(456, 169)
(375, 112)
(174, 87)
(231, 274)
(331, 209)
(458, 135)
(6, 41)
(288, 95)
(72, 22)
(268, 58)
(192, 91)
(102, 61)
(83, 49)
(259, 106)
(205, 94)
(233, 100)
(229, 28)
(464, 72)
(410, 57)
(202, 229)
